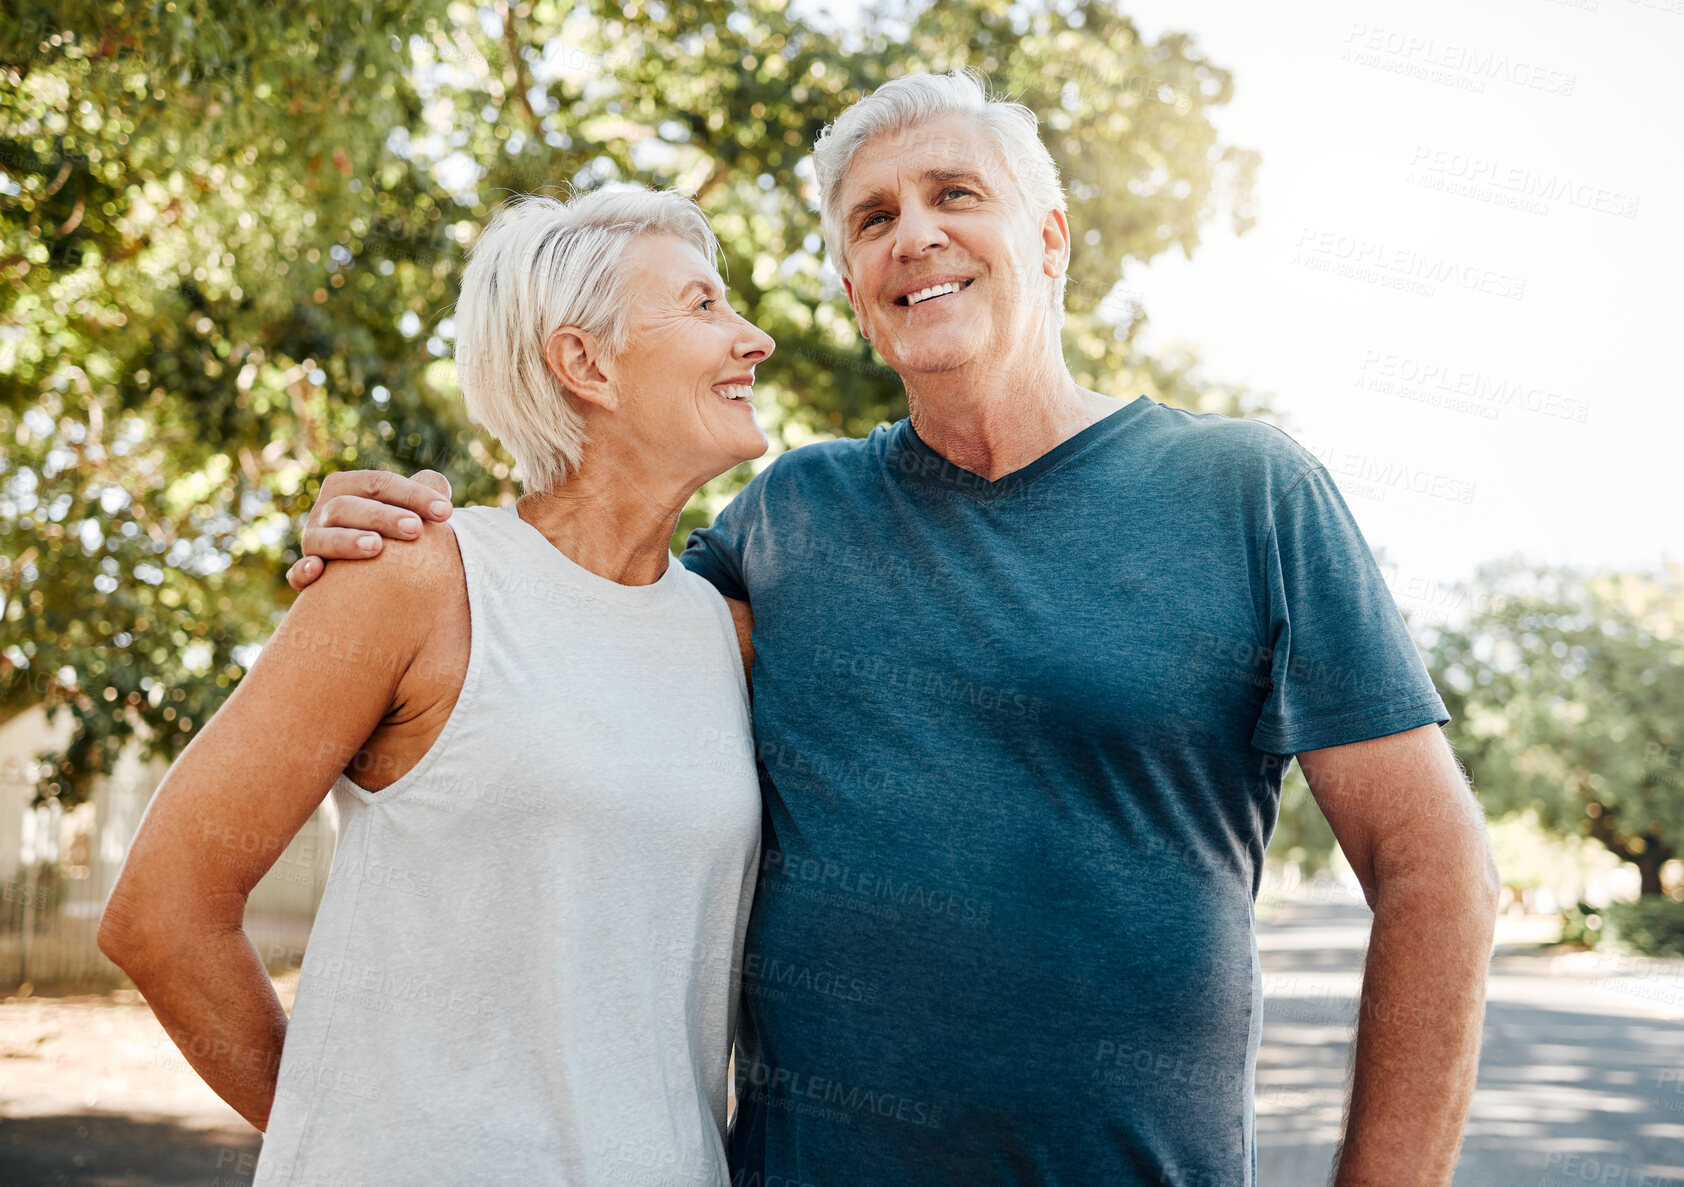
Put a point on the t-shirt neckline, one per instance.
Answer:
(932, 467)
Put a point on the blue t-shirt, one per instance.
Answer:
(1020, 753)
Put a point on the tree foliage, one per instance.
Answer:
(230, 236)
(1567, 697)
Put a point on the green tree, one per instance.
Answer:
(1302, 835)
(230, 237)
(184, 348)
(1567, 696)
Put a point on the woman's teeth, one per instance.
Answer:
(736, 391)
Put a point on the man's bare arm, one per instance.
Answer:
(358, 510)
(1415, 837)
(743, 618)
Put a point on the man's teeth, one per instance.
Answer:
(935, 290)
(736, 391)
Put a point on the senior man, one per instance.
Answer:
(1029, 666)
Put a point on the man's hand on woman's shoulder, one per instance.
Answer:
(358, 510)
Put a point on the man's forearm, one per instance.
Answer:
(215, 1000)
(1418, 1029)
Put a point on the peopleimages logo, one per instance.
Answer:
(1407, 268)
(1462, 389)
(868, 886)
(1530, 189)
(783, 1087)
(1372, 477)
(1463, 66)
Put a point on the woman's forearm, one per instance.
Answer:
(215, 1000)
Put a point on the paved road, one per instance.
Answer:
(1581, 1079)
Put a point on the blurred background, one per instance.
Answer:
(1429, 240)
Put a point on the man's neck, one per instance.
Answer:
(998, 424)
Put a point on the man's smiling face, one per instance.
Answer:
(946, 268)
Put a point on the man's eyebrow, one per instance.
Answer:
(871, 201)
(969, 175)
(877, 198)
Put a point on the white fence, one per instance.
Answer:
(57, 869)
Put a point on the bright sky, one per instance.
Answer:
(1584, 463)
(1461, 286)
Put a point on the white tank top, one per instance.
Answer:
(525, 964)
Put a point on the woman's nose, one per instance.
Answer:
(755, 344)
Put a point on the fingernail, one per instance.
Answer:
(410, 525)
(439, 508)
(369, 543)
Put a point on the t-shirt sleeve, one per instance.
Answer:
(1343, 666)
(716, 552)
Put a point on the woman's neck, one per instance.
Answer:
(611, 517)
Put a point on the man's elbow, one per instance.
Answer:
(1443, 875)
(1474, 877)
(1482, 882)
(1491, 885)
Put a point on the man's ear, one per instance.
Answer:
(1055, 243)
(865, 331)
(576, 357)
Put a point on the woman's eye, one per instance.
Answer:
(706, 301)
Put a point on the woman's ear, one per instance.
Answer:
(576, 357)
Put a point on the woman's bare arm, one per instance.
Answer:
(230, 804)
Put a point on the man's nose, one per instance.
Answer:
(917, 231)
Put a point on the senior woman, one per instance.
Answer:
(524, 964)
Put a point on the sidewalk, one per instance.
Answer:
(93, 1092)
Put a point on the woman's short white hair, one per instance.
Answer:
(542, 263)
(911, 100)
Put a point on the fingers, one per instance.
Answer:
(321, 544)
(436, 481)
(303, 572)
(356, 508)
(367, 515)
(381, 487)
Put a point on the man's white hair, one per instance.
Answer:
(542, 263)
(914, 99)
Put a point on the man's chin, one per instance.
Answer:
(938, 350)
(932, 360)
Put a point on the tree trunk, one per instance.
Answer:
(1649, 865)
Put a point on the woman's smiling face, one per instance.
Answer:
(684, 380)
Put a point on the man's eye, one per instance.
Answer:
(869, 219)
(955, 190)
